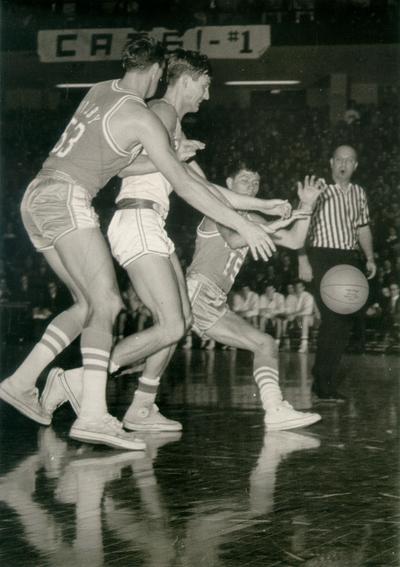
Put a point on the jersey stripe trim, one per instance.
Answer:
(107, 131)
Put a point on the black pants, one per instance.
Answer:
(335, 329)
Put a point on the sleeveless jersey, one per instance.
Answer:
(87, 150)
(215, 259)
(153, 186)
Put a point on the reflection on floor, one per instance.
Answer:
(225, 493)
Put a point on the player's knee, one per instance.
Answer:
(107, 307)
(268, 347)
(82, 311)
(174, 330)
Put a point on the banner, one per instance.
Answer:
(218, 42)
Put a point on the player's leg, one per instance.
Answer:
(142, 413)
(62, 330)
(85, 256)
(234, 331)
(155, 282)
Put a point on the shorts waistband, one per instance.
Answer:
(57, 174)
(134, 203)
(204, 279)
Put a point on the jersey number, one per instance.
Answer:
(70, 136)
(233, 265)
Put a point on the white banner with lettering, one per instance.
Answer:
(218, 42)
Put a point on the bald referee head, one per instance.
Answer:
(343, 164)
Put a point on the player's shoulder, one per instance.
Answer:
(165, 111)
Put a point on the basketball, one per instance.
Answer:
(344, 289)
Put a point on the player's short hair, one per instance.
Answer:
(142, 52)
(238, 165)
(187, 62)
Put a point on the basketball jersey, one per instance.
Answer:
(153, 186)
(215, 259)
(87, 150)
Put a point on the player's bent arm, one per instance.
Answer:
(143, 164)
(292, 238)
(237, 201)
(154, 138)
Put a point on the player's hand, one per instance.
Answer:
(309, 191)
(305, 269)
(257, 238)
(276, 207)
(371, 269)
(284, 222)
(188, 148)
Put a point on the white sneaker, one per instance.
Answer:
(25, 402)
(106, 430)
(62, 386)
(149, 418)
(285, 416)
(53, 395)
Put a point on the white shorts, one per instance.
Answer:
(135, 232)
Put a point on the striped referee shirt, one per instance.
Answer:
(337, 217)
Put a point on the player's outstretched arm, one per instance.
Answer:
(273, 207)
(152, 134)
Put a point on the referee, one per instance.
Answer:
(339, 230)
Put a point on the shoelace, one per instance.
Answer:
(286, 404)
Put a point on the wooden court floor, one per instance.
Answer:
(224, 493)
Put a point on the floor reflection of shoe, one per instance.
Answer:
(53, 395)
(288, 441)
(52, 451)
(25, 402)
(149, 418)
(284, 416)
(106, 430)
(156, 439)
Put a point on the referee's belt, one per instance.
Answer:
(134, 203)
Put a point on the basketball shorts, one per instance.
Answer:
(53, 206)
(135, 232)
(208, 302)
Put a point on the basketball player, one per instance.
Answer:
(106, 134)
(141, 245)
(219, 255)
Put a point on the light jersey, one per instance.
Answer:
(87, 150)
(153, 186)
(215, 259)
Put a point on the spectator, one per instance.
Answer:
(246, 304)
(272, 311)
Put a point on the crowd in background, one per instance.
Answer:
(200, 12)
(287, 144)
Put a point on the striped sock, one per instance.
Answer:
(95, 347)
(146, 392)
(267, 379)
(53, 341)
